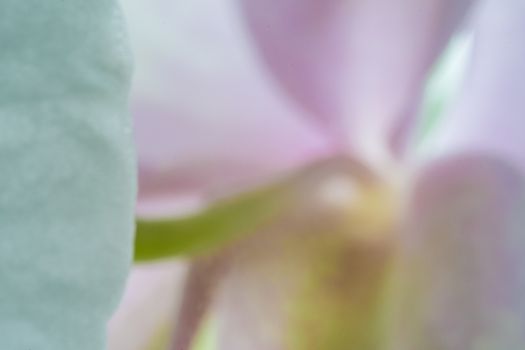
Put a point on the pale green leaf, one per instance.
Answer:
(67, 178)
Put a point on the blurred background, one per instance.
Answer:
(235, 142)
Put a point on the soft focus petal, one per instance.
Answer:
(231, 219)
(462, 266)
(443, 86)
(489, 114)
(146, 311)
(356, 66)
(200, 287)
(464, 259)
(67, 186)
(313, 280)
(207, 119)
(305, 294)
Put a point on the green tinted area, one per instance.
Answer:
(332, 310)
(223, 222)
(205, 340)
(444, 84)
(341, 301)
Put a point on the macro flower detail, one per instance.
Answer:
(280, 152)
(67, 184)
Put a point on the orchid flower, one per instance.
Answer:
(278, 153)
(67, 179)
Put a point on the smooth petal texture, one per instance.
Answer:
(462, 259)
(488, 115)
(208, 122)
(323, 295)
(443, 86)
(357, 67)
(146, 311)
(469, 206)
(304, 294)
(67, 184)
(200, 287)
(315, 278)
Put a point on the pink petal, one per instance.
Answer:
(469, 210)
(302, 294)
(313, 279)
(208, 121)
(489, 114)
(463, 263)
(356, 66)
(199, 289)
(148, 305)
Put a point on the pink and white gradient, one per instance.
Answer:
(233, 94)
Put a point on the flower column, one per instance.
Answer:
(67, 182)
